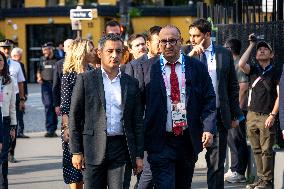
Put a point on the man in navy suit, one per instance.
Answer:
(180, 112)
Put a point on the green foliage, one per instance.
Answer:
(2, 36)
(134, 12)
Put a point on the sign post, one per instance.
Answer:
(78, 14)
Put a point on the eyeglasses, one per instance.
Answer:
(164, 42)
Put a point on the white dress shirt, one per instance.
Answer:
(112, 89)
(212, 69)
(16, 72)
(178, 69)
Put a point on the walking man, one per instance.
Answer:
(106, 121)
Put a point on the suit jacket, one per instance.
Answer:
(56, 86)
(281, 101)
(88, 129)
(200, 104)
(228, 86)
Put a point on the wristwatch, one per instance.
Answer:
(22, 99)
(272, 114)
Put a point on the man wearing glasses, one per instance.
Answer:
(180, 112)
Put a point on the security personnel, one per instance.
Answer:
(45, 77)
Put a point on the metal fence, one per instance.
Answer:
(272, 32)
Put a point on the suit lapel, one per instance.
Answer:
(100, 86)
(219, 59)
(124, 87)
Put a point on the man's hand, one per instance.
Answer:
(269, 121)
(13, 134)
(252, 39)
(207, 139)
(78, 161)
(283, 136)
(57, 110)
(197, 49)
(235, 123)
(22, 105)
(66, 135)
(39, 81)
(139, 166)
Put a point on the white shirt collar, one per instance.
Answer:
(210, 48)
(179, 59)
(105, 74)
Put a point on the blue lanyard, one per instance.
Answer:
(268, 68)
(162, 64)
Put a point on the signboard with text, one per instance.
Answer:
(83, 14)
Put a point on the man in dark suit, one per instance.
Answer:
(57, 75)
(135, 69)
(220, 64)
(179, 98)
(106, 125)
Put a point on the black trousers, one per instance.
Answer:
(237, 143)
(173, 167)
(216, 155)
(13, 143)
(115, 170)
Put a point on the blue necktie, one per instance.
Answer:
(203, 58)
(9, 61)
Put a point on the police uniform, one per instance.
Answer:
(45, 68)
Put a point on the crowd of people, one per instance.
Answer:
(149, 108)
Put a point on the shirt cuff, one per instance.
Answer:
(242, 118)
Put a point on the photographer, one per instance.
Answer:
(263, 105)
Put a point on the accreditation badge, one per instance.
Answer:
(1, 95)
(179, 118)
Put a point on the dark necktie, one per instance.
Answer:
(175, 93)
(203, 58)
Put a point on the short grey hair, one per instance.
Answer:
(109, 37)
(16, 50)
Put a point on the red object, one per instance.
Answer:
(175, 95)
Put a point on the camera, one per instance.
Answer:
(255, 38)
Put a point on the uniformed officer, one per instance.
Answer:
(45, 77)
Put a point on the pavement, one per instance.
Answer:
(40, 158)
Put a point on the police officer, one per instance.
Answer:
(45, 77)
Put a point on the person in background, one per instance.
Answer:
(59, 52)
(237, 140)
(16, 54)
(16, 72)
(220, 64)
(57, 76)
(8, 117)
(45, 78)
(263, 106)
(135, 68)
(137, 45)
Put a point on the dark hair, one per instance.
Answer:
(5, 72)
(202, 25)
(112, 23)
(133, 37)
(109, 37)
(155, 30)
(235, 46)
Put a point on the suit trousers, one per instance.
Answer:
(146, 180)
(173, 167)
(47, 100)
(115, 170)
(216, 156)
(237, 143)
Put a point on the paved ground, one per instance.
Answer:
(39, 165)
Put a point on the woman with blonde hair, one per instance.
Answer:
(76, 62)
